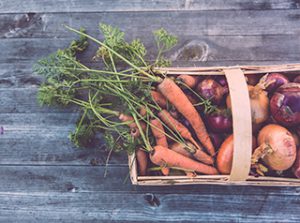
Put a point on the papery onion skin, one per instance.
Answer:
(211, 90)
(282, 144)
(297, 79)
(272, 81)
(296, 166)
(285, 104)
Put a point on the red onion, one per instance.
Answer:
(219, 122)
(285, 104)
(296, 166)
(223, 82)
(216, 139)
(210, 89)
(270, 82)
(297, 79)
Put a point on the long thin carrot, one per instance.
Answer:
(135, 132)
(189, 80)
(176, 96)
(160, 138)
(163, 156)
(142, 161)
(158, 132)
(180, 148)
(159, 99)
(175, 125)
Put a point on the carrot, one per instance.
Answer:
(158, 133)
(180, 148)
(142, 161)
(134, 130)
(159, 99)
(190, 151)
(160, 138)
(177, 126)
(176, 96)
(165, 170)
(143, 111)
(163, 156)
(189, 80)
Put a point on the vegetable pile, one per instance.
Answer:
(175, 124)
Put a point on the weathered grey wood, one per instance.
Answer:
(42, 139)
(133, 207)
(18, 6)
(86, 191)
(143, 23)
(23, 100)
(47, 178)
(191, 48)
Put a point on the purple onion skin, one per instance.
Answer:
(211, 90)
(219, 123)
(223, 82)
(297, 79)
(296, 166)
(216, 139)
(285, 104)
(279, 80)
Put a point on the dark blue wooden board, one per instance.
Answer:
(44, 178)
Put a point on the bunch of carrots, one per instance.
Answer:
(172, 123)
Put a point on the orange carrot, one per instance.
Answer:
(134, 130)
(142, 161)
(177, 126)
(164, 156)
(158, 132)
(203, 157)
(180, 148)
(160, 138)
(176, 96)
(165, 170)
(143, 111)
(189, 80)
(159, 99)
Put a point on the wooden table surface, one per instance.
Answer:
(44, 178)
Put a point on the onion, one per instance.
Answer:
(259, 102)
(296, 166)
(211, 90)
(253, 79)
(285, 104)
(219, 122)
(297, 79)
(277, 147)
(223, 82)
(225, 155)
(270, 82)
(216, 139)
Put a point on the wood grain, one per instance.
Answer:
(8, 6)
(191, 48)
(141, 24)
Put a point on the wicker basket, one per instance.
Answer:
(242, 131)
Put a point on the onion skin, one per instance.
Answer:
(283, 145)
(216, 139)
(210, 89)
(223, 82)
(296, 166)
(219, 123)
(225, 155)
(285, 104)
(252, 79)
(272, 81)
(297, 79)
(259, 102)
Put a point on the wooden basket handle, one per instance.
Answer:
(242, 124)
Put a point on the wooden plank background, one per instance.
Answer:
(44, 178)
